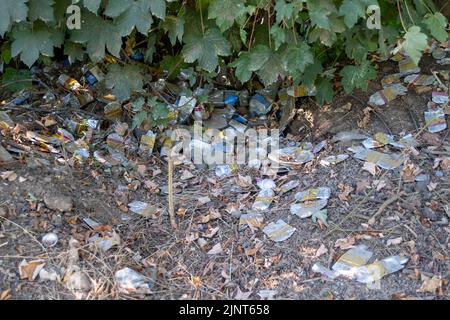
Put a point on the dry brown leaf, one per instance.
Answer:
(242, 295)
(321, 251)
(181, 212)
(203, 200)
(30, 270)
(362, 185)
(345, 194)
(366, 118)
(5, 295)
(345, 243)
(186, 175)
(216, 249)
(432, 285)
(370, 167)
(244, 181)
(379, 184)
(8, 175)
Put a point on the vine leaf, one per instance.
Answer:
(206, 48)
(12, 11)
(124, 80)
(415, 43)
(357, 76)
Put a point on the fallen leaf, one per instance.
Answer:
(181, 212)
(370, 167)
(186, 175)
(431, 186)
(431, 285)
(345, 194)
(345, 243)
(30, 270)
(379, 184)
(203, 200)
(8, 175)
(394, 241)
(240, 295)
(321, 251)
(216, 249)
(362, 185)
(244, 181)
(5, 295)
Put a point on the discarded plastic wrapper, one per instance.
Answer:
(263, 200)
(435, 120)
(319, 268)
(5, 121)
(408, 66)
(50, 239)
(444, 62)
(116, 141)
(384, 96)
(129, 281)
(307, 209)
(389, 80)
(313, 194)
(105, 242)
(318, 147)
(80, 128)
(279, 231)
(439, 97)
(438, 53)
(375, 271)
(350, 261)
(259, 105)
(288, 186)
(291, 156)
(200, 113)
(347, 136)
(141, 208)
(266, 184)
(333, 160)
(147, 142)
(104, 159)
(73, 85)
(383, 160)
(379, 140)
(226, 170)
(419, 79)
(113, 110)
(301, 91)
(399, 56)
(64, 135)
(121, 128)
(406, 141)
(253, 220)
(241, 128)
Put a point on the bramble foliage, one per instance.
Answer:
(257, 39)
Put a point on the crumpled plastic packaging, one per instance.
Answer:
(313, 194)
(131, 282)
(288, 186)
(419, 79)
(279, 231)
(407, 66)
(372, 273)
(307, 209)
(383, 160)
(263, 200)
(291, 156)
(252, 219)
(435, 120)
(333, 160)
(382, 97)
(439, 97)
(351, 260)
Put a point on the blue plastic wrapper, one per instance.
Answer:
(259, 105)
(91, 79)
(231, 100)
(137, 56)
(239, 118)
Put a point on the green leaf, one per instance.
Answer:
(325, 91)
(158, 8)
(205, 49)
(278, 36)
(272, 68)
(175, 27)
(74, 51)
(12, 11)
(311, 73)
(124, 80)
(5, 52)
(436, 24)
(40, 10)
(319, 12)
(29, 43)
(352, 10)
(284, 10)
(298, 57)
(415, 43)
(357, 76)
(249, 62)
(326, 37)
(92, 5)
(129, 15)
(104, 36)
(160, 111)
(138, 118)
(15, 80)
(173, 65)
(151, 48)
(226, 12)
(322, 215)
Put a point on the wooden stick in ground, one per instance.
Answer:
(170, 190)
(384, 206)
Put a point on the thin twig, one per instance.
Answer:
(170, 189)
(384, 206)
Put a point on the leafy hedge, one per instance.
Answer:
(267, 39)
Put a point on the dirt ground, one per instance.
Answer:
(249, 262)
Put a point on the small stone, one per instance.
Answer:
(5, 156)
(58, 202)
